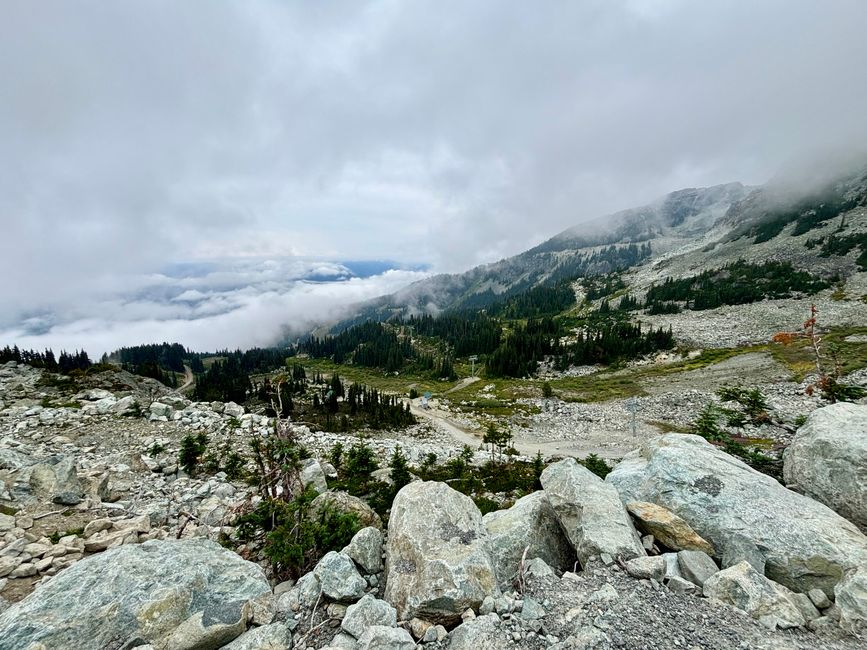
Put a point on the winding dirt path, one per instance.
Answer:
(189, 379)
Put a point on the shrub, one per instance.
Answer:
(427, 464)
(707, 426)
(486, 505)
(234, 465)
(597, 465)
(360, 464)
(292, 538)
(192, 449)
(752, 401)
(400, 475)
(278, 462)
(336, 455)
(156, 449)
(538, 468)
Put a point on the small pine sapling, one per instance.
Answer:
(828, 367)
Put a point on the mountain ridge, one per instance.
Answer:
(689, 222)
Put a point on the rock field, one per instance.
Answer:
(106, 543)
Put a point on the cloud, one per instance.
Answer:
(141, 134)
(256, 311)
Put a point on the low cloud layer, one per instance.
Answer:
(139, 134)
(210, 307)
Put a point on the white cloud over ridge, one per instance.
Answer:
(222, 308)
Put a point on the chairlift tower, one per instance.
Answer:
(473, 360)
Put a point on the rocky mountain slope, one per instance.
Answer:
(687, 230)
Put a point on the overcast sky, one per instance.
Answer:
(138, 134)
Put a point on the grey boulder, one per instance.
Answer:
(740, 511)
(480, 633)
(124, 405)
(529, 524)
(696, 566)
(590, 512)
(367, 612)
(275, 636)
(366, 549)
(851, 599)
(380, 637)
(745, 588)
(437, 556)
(645, 568)
(170, 594)
(311, 475)
(59, 481)
(338, 577)
(160, 410)
(827, 460)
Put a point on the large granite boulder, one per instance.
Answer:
(529, 524)
(590, 512)
(170, 594)
(743, 513)
(58, 481)
(160, 410)
(745, 588)
(67, 488)
(827, 460)
(437, 556)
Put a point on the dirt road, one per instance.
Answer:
(464, 436)
(189, 379)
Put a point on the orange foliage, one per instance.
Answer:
(785, 338)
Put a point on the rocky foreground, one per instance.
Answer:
(105, 543)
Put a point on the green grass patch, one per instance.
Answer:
(376, 378)
(498, 408)
(503, 389)
(839, 293)
(598, 387)
(499, 401)
(621, 384)
(707, 358)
